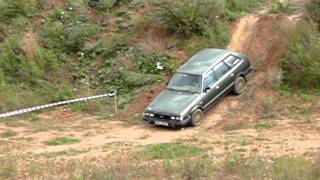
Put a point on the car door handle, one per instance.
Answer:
(217, 87)
(232, 75)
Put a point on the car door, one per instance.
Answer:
(208, 82)
(223, 82)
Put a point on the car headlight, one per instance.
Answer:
(173, 118)
(152, 115)
(180, 118)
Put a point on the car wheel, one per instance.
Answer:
(239, 85)
(196, 119)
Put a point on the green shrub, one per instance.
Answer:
(280, 6)
(301, 67)
(68, 37)
(10, 9)
(234, 8)
(187, 17)
(313, 10)
(133, 79)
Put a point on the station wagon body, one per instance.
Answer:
(197, 86)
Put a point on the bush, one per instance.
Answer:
(236, 7)
(187, 17)
(68, 37)
(301, 67)
(10, 9)
(313, 11)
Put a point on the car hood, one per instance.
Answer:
(172, 102)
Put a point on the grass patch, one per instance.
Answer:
(7, 133)
(7, 168)
(171, 150)
(69, 152)
(236, 126)
(282, 168)
(263, 124)
(61, 141)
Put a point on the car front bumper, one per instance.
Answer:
(170, 123)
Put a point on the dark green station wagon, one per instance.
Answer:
(197, 86)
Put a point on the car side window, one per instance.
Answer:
(232, 61)
(220, 70)
(209, 79)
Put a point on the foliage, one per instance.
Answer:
(67, 37)
(301, 67)
(278, 6)
(10, 9)
(234, 8)
(313, 11)
(187, 17)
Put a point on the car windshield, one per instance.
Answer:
(185, 82)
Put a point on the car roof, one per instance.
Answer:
(203, 60)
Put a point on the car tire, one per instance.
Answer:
(239, 85)
(196, 118)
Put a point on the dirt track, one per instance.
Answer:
(257, 35)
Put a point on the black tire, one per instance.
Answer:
(239, 85)
(196, 118)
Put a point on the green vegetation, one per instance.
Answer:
(277, 6)
(7, 167)
(7, 134)
(281, 168)
(61, 141)
(313, 11)
(262, 124)
(69, 152)
(301, 66)
(10, 9)
(171, 150)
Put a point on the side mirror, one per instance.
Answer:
(167, 82)
(207, 89)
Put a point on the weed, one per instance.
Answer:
(280, 6)
(7, 134)
(69, 152)
(263, 124)
(236, 126)
(171, 150)
(10, 9)
(61, 141)
(7, 167)
(291, 168)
